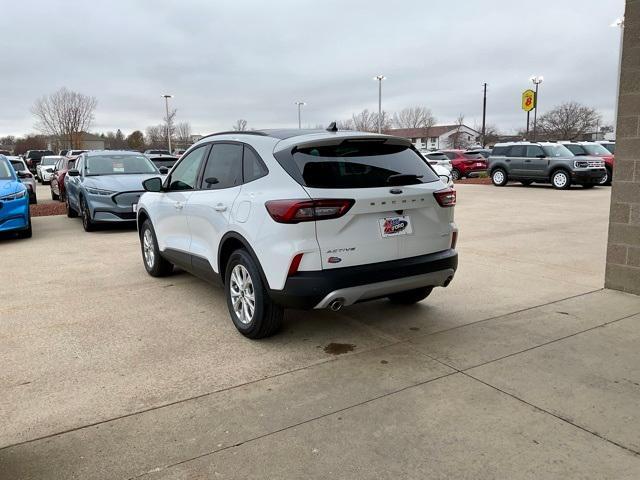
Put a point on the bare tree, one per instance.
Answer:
(240, 125)
(414, 117)
(183, 134)
(459, 139)
(491, 134)
(345, 124)
(568, 121)
(156, 136)
(64, 114)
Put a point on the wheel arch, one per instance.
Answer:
(142, 216)
(230, 242)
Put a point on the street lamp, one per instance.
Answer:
(619, 22)
(537, 80)
(300, 104)
(380, 78)
(166, 104)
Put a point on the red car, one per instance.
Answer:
(593, 149)
(57, 181)
(465, 164)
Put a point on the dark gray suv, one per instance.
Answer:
(543, 162)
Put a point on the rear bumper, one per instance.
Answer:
(588, 176)
(317, 289)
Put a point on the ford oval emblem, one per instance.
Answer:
(395, 191)
(334, 260)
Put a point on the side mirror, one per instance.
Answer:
(73, 173)
(153, 184)
(22, 174)
(542, 155)
(164, 170)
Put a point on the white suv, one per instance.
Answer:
(301, 219)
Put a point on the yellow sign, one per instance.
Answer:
(528, 100)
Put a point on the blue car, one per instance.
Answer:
(14, 201)
(105, 185)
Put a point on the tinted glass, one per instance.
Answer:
(6, 171)
(576, 149)
(224, 167)
(361, 165)
(437, 156)
(610, 146)
(557, 151)
(473, 156)
(451, 155)
(596, 149)
(163, 162)
(499, 151)
(118, 165)
(71, 164)
(253, 168)
(48, 161)
(185, 175)
(518, 151)
(17, 165)
(534, 151)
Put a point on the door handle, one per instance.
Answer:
(220, 207)
(508, 160)
(178, 205)
(527, 161)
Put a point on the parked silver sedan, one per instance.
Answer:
(25, 176)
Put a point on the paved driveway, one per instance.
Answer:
(523, 368)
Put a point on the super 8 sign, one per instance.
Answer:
(528, 100)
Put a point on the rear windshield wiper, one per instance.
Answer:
(403, 179)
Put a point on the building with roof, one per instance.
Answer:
(437, 137)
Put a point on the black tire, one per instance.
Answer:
(410, 296)
(28, 232)
(499, 177)
(85, 213)
(267, 315)
(560, 179)
(158, 266)
(54, 196)
(33, 200)
(526, 183)
(455, 174)
(607, 180)
(71, 213)
(63, 196)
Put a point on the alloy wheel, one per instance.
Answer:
(243, 296)
(148, 248)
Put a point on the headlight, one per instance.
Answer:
(99, 191)
(580, 164)
(14, 196)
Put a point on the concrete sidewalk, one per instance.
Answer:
(523, 368)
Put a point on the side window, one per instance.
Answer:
(78, 165)
(185, 174)
(517, 151)
(224, 167)
(252, 166)
(499, 151)
(534, 151)
(451, 155)
(71, 164)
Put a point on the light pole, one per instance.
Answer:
(484, 115)
(166, 105)
(618, 23)
(380, 78)
(300, 104)
(537, 80)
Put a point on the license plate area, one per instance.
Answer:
(395, 226)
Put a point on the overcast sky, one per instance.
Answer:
(252, 59)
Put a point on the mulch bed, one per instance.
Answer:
(50, 208)
(475, 181)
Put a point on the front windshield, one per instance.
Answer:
(48, 161)
(556, 151)
(6, 172)
(118, 165)
(596, 149)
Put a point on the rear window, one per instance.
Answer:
(610, 146)
(437, 156)
(164, 162)
(358, 164)
(473, 156)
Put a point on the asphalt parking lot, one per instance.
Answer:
(523, 368)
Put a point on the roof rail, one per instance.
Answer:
(236, 132)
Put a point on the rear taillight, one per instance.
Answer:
(296, 211)
(446, 197)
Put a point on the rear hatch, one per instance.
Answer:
(394, 214)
